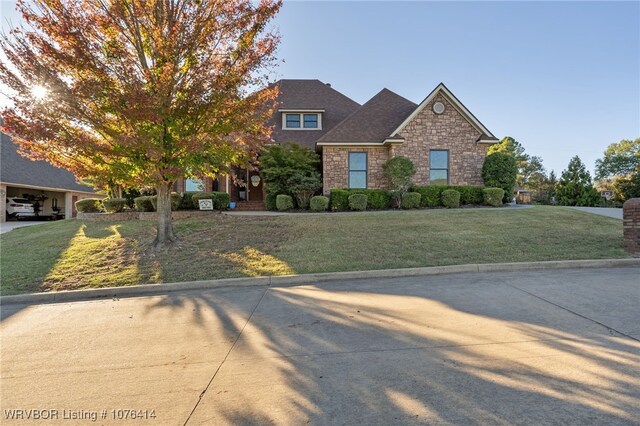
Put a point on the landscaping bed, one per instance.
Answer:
(74, 254)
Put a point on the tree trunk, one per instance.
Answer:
(165, 234)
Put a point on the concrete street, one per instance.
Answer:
(539, 347)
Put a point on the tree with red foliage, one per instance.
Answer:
(140, 92)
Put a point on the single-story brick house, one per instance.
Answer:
(20, 176)
(445, 141)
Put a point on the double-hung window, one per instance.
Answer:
(302, 121)
(357, 170)
(439, 167)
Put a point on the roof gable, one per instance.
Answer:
(486, 135)
(373, 121)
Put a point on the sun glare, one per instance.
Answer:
(39, 92)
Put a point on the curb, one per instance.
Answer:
(291, 280)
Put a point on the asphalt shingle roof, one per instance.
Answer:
(18, 170)
(374, 121)
(310, 94)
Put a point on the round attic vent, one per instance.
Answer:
(438, 107)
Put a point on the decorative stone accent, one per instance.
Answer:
(117, 217)
(447, 131)
(631, 225)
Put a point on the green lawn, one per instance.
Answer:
(73, 254)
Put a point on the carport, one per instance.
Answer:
(25, 178)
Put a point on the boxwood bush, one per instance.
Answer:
(284, 202)
(270, 202)
(376, 198)
(220, 199)
(450, 198)
(358, 202)
(89, 205)
(176, 199)
(143, 204)
(114, 205)
(493, 196)
(319, 203)
(187, 202)
(430, 195)
(411, 200)
(469, 194)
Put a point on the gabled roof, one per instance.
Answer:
(300, 95)
(486, 136)
(18, 170)
(373, 122)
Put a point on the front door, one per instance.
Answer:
(255, 186)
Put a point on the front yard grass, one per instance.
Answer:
(73, 254)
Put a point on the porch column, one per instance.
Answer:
(3, 203)
(247, 183)
(68, 205)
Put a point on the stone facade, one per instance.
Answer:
(631, 225)
(335, 166)
(447, 131)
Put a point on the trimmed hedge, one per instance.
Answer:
(284, 202)
(450, 198)
(376, 198)
(143, 204)
(89, 205)
(220, 199)
(411, 200)
(358, 202)
(270, 202)
(176, 199)
(432, 194)
(114, 205)
(319, 203)
(187, 202)
(493, 196)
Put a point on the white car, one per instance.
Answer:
(19, 207)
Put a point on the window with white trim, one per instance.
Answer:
(301, 121)
(357, 170)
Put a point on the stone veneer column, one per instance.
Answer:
(3, 203)
(631, 225)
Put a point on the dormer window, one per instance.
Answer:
(302, 120)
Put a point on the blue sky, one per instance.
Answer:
(563, 78)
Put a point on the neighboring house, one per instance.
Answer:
(20, 176)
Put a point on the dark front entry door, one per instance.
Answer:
(255, 186)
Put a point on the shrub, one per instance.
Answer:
(339, 199)
(114, 205)
(470, 194)
(411, 200)
(398, 171)
(302, 187)
(376, 198)
(220, 199)
(143, 204)
(187, 202)
(493, 196)
(450, 198)
(284, 202)
(270, 201)
(430, 195)
(499, 171)
(319, 203)
(358, 202)
(176, 199)
(279, 163)
(89, 205)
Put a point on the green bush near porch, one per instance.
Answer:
(270, 202)
(493, 196)
(319, 203)
(410, 200)
(377, 199)
(176, 199)
(431, 195)
(284, 202)
(114, 205)
(451, 198)
(89, 205)
(143, 204)
(358, 202)
(220, 199)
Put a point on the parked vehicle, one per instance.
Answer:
(19, 207)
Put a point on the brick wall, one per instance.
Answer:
(335, 166)
(631, 225)
(447, 131)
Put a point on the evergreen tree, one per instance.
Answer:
(575, 188)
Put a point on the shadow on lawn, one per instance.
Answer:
(381, 354)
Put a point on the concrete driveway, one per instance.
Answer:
(615, 213)
(544, 347)
(10, 226)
